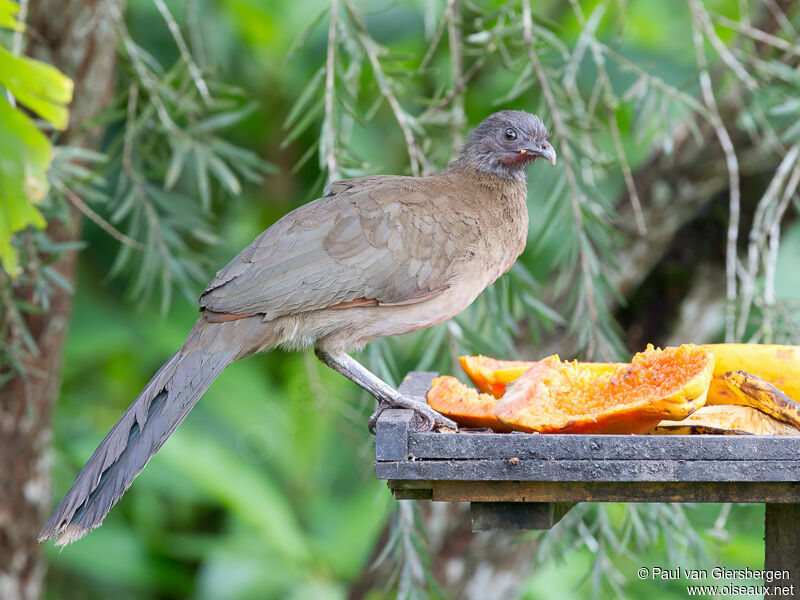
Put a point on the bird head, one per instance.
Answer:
(505, 143)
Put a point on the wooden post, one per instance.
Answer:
(493, 516)
(782, 544)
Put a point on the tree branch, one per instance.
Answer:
(732, 163)
(328, 129)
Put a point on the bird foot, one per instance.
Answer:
(425, 417)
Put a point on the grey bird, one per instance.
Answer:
(376, 256)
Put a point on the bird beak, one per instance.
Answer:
(543, 150)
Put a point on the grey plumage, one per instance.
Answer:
(340, 248)
(375, 256)
(142, 430)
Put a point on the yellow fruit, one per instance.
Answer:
(778, 365)
(726, 419)
(754, 391)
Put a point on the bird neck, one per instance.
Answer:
(492, 185)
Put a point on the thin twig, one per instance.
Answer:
(459, 88)
(415, 155)
(195, 35)
(453, 17)
(759, 231)
(194, 70)
(757, 34)
(588, 29)
(141, 70)
(627, 173)
(771, 262)
(781, 17)
(78, 203)
(12, 316)
(19, 35)
(130, 170)
(732, 164)
(704, 20)
(658, 83)
(564, 149)
(585, 40)
(130, 117)
(328, 130)
(437, 37)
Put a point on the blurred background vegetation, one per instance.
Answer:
(672, 217)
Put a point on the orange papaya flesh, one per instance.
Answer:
(491, 375)
(573, 397)
(465, 405)
(776, 364)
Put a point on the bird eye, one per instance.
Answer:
(510, 134)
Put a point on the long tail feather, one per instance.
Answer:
(142, 430)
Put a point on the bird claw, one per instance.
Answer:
(425, 418)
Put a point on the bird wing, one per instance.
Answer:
(373, 240)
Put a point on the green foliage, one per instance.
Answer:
(40, 87)
(8, 16)
(266, 490)
(24, 150)
(24, 158)
(162, 167)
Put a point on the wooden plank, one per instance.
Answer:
(391, 434)
(588, 470)
(417, 383)
(413, 494)
(491, 516)
(782, 547)
(589, 447)
(408, 484)
(559, 491)
(439, 446)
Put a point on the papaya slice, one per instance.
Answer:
(465, 405)
(775, 364)
(727, 419)
(573, 397)
(762, 395)
(491, 375)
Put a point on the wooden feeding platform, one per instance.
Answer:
(530, 481)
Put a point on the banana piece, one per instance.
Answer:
(754, 391)
(776, 364)
(728, 419)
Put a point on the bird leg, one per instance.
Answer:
(387, 396)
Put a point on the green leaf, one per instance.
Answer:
(8, 18)
(39, 86)
(222, 120)
(24, 158)
(224, 175)
(180, 149)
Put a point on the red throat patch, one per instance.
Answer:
(519, 159)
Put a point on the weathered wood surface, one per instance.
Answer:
(591, 470)
(782, 544)
(491, 516)
(596, 491)
(560, 446)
